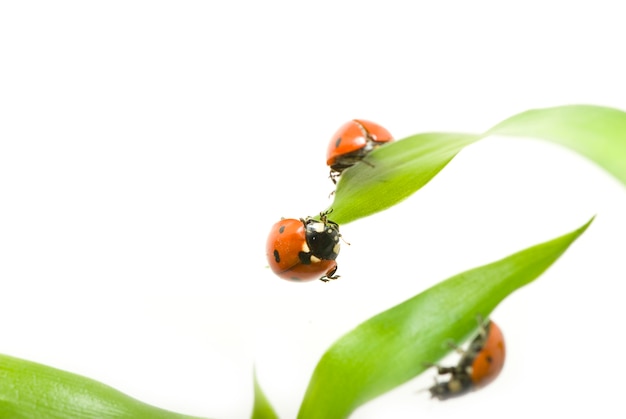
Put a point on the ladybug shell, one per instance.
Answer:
(489, 360)
(353, 141)
(285, 244)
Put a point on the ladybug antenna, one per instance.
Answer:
(427, 389)
(424, 390)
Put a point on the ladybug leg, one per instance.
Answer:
(324, 215)
(482, 325)
(440, 370)
(456, 347)
(434, 386)
(368, 163)
(482, 322)
(330, 275)
(446, 370)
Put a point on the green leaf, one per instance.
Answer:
(262, 408)
(31, 390)
(596, 132)
(396, 170)
(395, 345)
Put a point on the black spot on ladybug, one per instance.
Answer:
(281, 230)
(489, 359)
(305, 258)
(337, 142)
(276, 256)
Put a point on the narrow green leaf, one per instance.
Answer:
(262, 408)
(394, 172)
(31, 390)
(394, 346)
(596, 132)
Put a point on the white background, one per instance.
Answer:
(147, 147)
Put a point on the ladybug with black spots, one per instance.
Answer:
(304, 249)
(480, 364)
(352, 142)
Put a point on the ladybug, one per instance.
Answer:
(304, 249)
(352, 142)
(479, 365)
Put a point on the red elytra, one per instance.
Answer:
(303, 249)
(352, 142)
(489, 360)
(480, 364)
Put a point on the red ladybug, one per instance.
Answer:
(480, 364)
(352, 142)
(304, 249)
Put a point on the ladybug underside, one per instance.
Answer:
(350, 159)
(461, 380)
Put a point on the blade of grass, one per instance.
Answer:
(596, 132)
(395, 345)
(262, 408)
(395, 171)
(31, 390)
